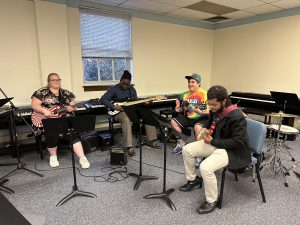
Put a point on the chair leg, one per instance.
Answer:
(236, 177)
(253, 173)
(260, 183)
(222, 189)
(39, 146)
(111, 129)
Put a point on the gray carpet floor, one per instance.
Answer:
(117, 202)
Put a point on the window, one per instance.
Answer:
(105, 45)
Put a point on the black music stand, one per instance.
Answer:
(162, 123)
(14, 137)
(283, 99)
(68, 127)
(3, 101)
(136, 117)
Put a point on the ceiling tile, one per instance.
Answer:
(263, 9)
(189, 13)
(239, 15)
(238, 4)
(286, 4)
(149, 6)
(180, 3)
(210, 7)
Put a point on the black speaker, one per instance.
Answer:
(105, 140)
(89, 141)
(118, 156)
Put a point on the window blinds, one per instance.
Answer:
(105, 34)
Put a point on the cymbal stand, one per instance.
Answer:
(274, 164)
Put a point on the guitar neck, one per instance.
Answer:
(138, 101)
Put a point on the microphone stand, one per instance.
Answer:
(20, 165)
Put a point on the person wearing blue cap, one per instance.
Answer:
(193, 105)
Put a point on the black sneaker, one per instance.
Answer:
(207, 207)
(190, 185)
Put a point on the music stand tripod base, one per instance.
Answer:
(75, 192)
(165, 196)
(6, 189)
(141, 178)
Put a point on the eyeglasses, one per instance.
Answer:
(55, 80)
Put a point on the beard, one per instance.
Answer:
(221, 109)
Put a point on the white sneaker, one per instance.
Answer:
(53, 161)
(85, 164)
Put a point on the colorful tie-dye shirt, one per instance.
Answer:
(197, 99)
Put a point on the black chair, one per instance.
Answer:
(39, 145)
(111, 122)
(257, 134)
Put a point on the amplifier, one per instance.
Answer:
(105, 140)
(118, 156)
(89, 141)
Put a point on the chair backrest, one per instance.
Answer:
(257, 134)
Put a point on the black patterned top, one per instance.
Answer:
(49, 99)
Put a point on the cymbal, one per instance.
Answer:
(280, 114)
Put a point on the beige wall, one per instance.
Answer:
(45, 37)
(52, 31)
(19, 70)
(164, 53)
(258, 57)
(39, 37)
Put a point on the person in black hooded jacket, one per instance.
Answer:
(225, 142)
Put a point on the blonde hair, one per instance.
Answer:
(49, 76)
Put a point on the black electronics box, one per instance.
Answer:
(105, 140)
(89, 141)
(118, 156)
